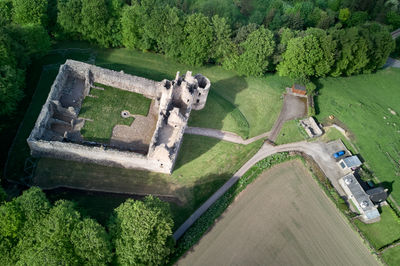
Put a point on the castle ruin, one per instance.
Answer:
(57, 130)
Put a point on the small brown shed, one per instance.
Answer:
(299, 89)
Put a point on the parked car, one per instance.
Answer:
(338, 154)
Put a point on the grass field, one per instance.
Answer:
(246, 106)
(105, 107)
(364, 104)
(384, 232)
(392, 256)
(334, 134)
(203, 165)
(283, 218)
(291, 131)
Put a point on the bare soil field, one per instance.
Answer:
(283, 218)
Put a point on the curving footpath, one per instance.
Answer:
(317, 150)
(223, 135)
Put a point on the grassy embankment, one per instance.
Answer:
(235, 104)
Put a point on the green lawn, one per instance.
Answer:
(251, 104)
(203, 165)
(362, 103)
(392, 256)
(105, 107)
(291, 131)
(385, 231)
(246, 106)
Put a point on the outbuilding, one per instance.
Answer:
(299, 89)
(350, 163)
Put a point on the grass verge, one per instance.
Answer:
(291, 131)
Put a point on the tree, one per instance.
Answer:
(222, 44)
(198, 38)
(170, 37)
(257, 53)
(6, 10)
(308, 56)
(95, 18)
(141, 232)
(69, 16)
(351, 53)
(344, 14)
(30, 11)
(91, 243)
(380, 45)
(130, 25)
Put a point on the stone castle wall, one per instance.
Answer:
(176, 99)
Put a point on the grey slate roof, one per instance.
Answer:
(352, 161)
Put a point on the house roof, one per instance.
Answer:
(299, 87)
(357, 192)
(352, 161)
(377, 194)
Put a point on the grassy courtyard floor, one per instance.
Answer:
(364, 104)
(104, 108)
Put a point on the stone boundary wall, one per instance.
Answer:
(92, 154)
(54, 94)
(120, 80)
(176, 99)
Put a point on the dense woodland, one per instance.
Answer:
(304, 40)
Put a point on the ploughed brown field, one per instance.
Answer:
(283, 218)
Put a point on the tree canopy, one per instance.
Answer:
(142, 232)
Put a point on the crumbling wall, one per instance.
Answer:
(116, 79)
(176, 98)
(98, 155)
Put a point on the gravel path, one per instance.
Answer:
(317, 150)
(223, 135)
(293, 107)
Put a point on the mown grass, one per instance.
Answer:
(203, 165)
(291, 131)
(384, 232)
(256, 100)
(104, 108)
(392, 256)
(246, 106)
(362, 103)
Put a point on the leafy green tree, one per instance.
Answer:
(48, 242)
(308, 56)
(222, 44)
(393, 18)
(344, 14)
(35, 40)
(141, 232)
(11, 221)
(69, 16)
(131, 27)
(257, 53)
(244, 31)
(170, 31)
(6, 10)
(30, 11)
(198, 39)
(91, 243)
(351, 53)
(357, 18)
(10, 87)
(380, 45)
(95, 18)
